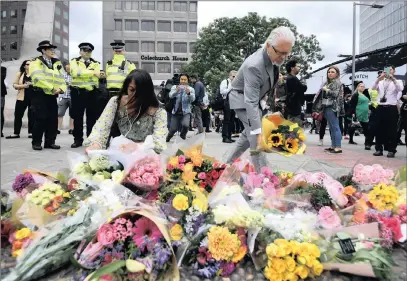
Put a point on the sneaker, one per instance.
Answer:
(390, 155)
(321, 143)
(329, 149)
(333, 151)
(378, 153)
(352, 142)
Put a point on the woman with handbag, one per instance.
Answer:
(329, 105)
(359, 110)
(134, 113)
(23, 85)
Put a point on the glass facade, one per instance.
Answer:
(380, 28)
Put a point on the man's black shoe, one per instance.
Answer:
(378, 153)
(390, 155)
(2, 135)
(52, 146)
(401, 142)
(70, 132)
(227, 140)
(76, 145)
(58, 132)
(367, 147)
(37, 147)
(208, 131)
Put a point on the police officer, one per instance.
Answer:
(85, 73)
(117, 69)
(47, 74)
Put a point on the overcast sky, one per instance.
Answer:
(330, 21)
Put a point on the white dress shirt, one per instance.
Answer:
(225, 87)
(392, 90)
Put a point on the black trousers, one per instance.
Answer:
(346, 126)
(45, 114)
(402, 125)
(228, 114)
(386, 128)
(372, 122)
(3, 99)
(238, 125)
(83, 100)
(322, 128)
(206, 119)
(19, 110)
(366, 132)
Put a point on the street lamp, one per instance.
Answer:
(375, 6)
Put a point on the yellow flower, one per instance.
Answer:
(188, 176)
(71, 212)
(66, 195)
(275, 140)
(222, 244)
(180, 202)
(317, 268)
(17, 253)
(383, 197)
(301, 136)
(313, 250)
(193, 153)
(293, 126)
(173, 161)
(290, 276)
(197, 160)
(284, 245)
(189, 168)
(201, 203)
(290, 263)
(301, 260)
(176, 232)
(291, 145)
(273, 250)
(23, 233)
(302, 271)
(272, 275)
(240, 254)
(278, 265)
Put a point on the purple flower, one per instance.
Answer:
(198, 223)
(162, 255)
(22, 181)
(227, 268)
(207, 271)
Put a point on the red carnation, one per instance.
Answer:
(202, 184)
(214, 174)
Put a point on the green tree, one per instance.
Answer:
(225, 43)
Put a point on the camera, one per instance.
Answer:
(383, 99)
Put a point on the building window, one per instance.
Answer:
(192, 47)
(147, 47)
(148, 25)
(3, 14)
(3, 46)
(13, 46)
(164, 5)
(180, 26)
(164, 47)
(3, 29)
(131, 5)
(57, 24)
(65, 42)
(66, 16)
(13, 14)
(65, 28)
(177, 67)
(192, 27)
(118, 5)
(24, 11)
(13, 29)
(131, 25)
(148, 5)
(57, 10)
(180, 47)
(180, 6)
(118, 25)
(193, 7)
(132, 46)
(148, 66)
(164, 67)
(57, 38)
(164, 26)
(66, 56)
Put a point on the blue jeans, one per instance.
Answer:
(333, 122)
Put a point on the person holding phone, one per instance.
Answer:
(389, 90)
(181, 113)
(23, 85)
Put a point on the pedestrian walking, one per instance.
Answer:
(228, 114)
(198, 104)
(64, 102)
(85, 72)
(47, 74)
(257, 76)
(23, 85)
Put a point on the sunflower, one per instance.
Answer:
(291, 145)
(275, 140)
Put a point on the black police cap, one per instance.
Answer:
(86, 45)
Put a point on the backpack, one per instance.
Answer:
(219, 102)
(168, 103)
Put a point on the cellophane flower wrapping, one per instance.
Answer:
(134, 244)
(282, 136)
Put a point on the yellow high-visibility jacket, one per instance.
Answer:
(47, 78)
(117, 70)
(373, 97)
(82, 77)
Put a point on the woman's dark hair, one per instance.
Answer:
(145, 96)
(290, 65)
(184, 74)
(22, 67)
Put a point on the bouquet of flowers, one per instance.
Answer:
(292, 260)
(133, 245)
(218, 252)
(282, 136)
(265, 183)
(372, 175)
(383, 197)
(20, 239)
(22, 182)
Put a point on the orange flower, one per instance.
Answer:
(240, 254)
(197, 160)
(349, 190)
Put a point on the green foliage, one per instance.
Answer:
(225, 43)
(319, 196)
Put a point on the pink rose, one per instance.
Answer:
(150, 180)
(254, 180)
(181, 167)
(328, 218)
(389, 173)
(181, 159)
(170, 167)
(215, 165)
(269, 190)
(105, 234)
(149, 167)
(201, 176)
(267, 171)
(358, 168)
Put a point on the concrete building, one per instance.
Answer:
(380, 28)
(51, 20)
(159, 35)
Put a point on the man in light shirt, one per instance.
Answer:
(228, 114)
(389, 90)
